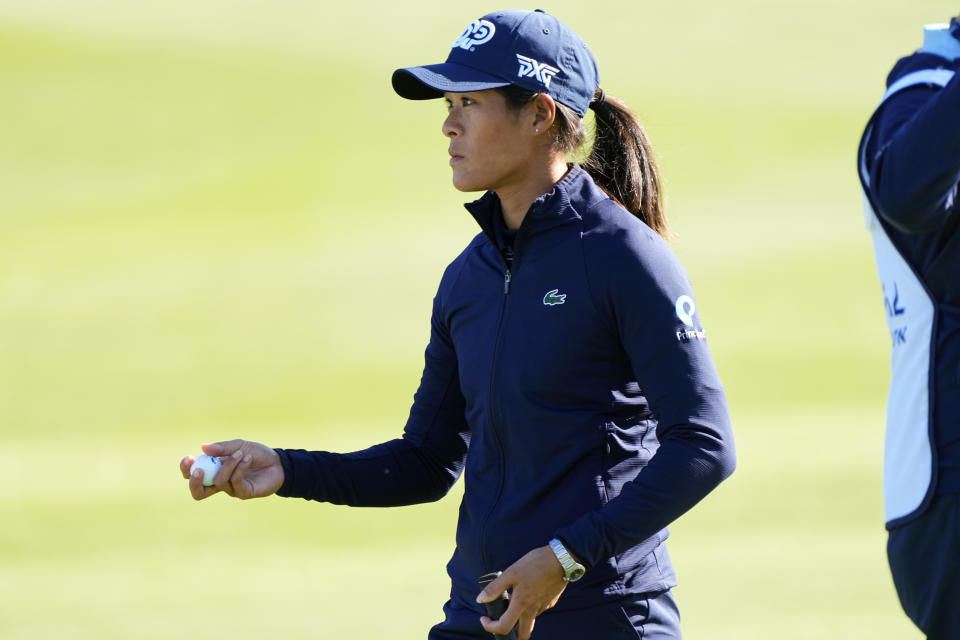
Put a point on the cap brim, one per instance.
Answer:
(432, 81)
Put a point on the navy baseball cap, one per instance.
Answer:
(530, 49)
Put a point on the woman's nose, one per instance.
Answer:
(450, 128)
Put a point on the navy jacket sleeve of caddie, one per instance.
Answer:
(914, 154)
(639, 285)
(419, 467)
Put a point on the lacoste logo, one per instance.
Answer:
(530, 68)
(554, 297)
(477, 32)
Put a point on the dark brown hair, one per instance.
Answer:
(621, 160)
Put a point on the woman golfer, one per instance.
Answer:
(567, 374)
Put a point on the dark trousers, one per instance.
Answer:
(924, 559)
(649, 616)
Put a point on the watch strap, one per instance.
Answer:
(572, 570)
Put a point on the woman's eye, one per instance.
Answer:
(464, 102)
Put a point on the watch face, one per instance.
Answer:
(576, 573)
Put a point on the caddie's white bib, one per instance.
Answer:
(910, 310)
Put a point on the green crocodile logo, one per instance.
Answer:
(554, 297)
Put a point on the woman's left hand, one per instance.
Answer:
(537, 582)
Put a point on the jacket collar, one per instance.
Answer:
(917, 62)
(556, 207)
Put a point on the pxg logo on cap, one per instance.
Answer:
(530, 68)
(477, 32)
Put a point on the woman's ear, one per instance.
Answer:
(544, 111)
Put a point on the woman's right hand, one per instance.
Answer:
(250, 470)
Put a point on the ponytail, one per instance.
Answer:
(621, 161)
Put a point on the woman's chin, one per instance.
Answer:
(466, 185)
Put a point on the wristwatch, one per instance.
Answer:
(572, 570)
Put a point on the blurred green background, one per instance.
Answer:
(218, 221)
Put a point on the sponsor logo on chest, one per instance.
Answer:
(553, 297)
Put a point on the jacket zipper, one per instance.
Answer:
(507, 275)
(508, 256)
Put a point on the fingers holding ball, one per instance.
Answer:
(209, 465)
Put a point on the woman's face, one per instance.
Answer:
(491, 146)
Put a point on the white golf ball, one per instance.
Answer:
(209, 465)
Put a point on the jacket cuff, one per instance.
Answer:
(289, 487)
(583, 539)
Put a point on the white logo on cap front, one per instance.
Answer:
(477, 32)
(530, 68)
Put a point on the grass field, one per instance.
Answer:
(217, 221)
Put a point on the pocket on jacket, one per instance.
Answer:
(625, 451)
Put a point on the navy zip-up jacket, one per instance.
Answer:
(575, 388)
(910, 172)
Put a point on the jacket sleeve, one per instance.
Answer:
(914, 160)
(419, 467)
(647, 296)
